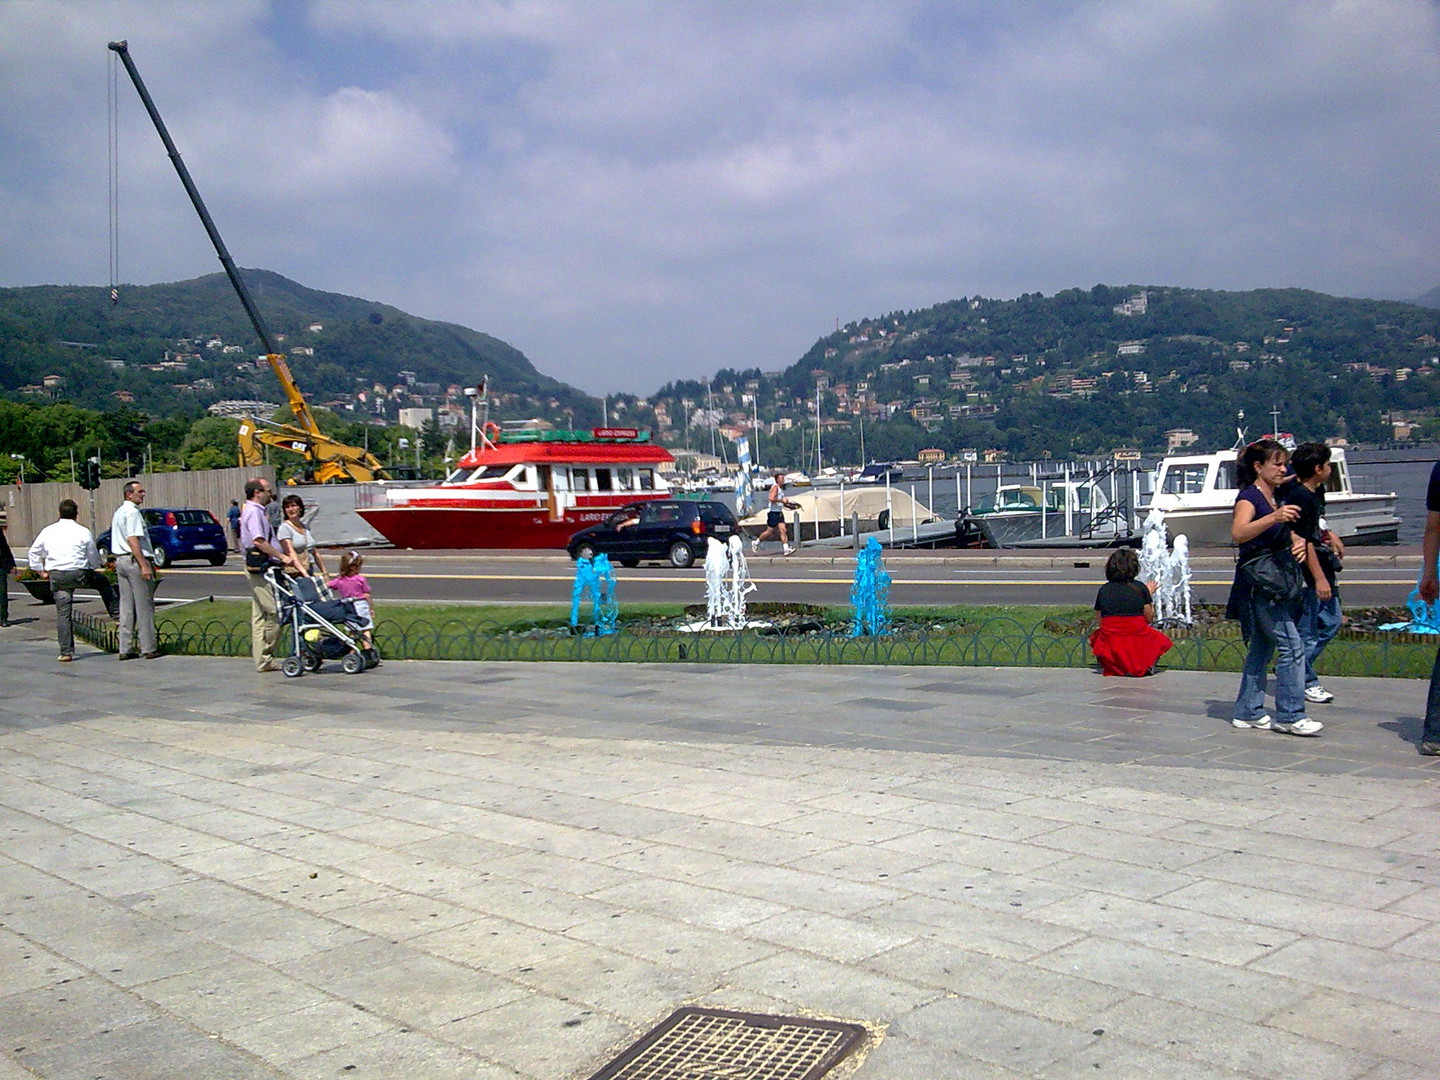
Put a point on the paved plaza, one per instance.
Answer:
(436, 871)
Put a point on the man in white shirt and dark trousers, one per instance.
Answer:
(64, 554)
(135, 573)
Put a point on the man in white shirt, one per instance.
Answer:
(135, 574)
(64, 554)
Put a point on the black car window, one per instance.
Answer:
(192, 517)
(659, 514)
(153, 517)
(713, 513)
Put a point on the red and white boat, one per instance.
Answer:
(525, 488)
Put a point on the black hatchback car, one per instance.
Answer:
(671, 530)
(182, 533)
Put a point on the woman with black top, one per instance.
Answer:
(1259, 526)
(1126, 643)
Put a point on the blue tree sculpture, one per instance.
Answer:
(596, 577)
(870, 593)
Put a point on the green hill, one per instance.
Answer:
(102, 350)
(1086, 371)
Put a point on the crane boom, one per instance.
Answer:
(331, 460)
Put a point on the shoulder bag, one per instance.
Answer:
(1274, 575)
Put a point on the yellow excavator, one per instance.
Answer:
(327, 461)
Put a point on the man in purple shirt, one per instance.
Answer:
(256, 535)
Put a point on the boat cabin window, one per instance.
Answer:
(1339, 476)
(468, 476)
(624, 479)
(1225, 477)
(580, 480)
(604, 481)
(525, 478)
(1009, 499)
(1185, 480)
(647, 479)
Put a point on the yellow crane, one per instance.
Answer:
(327, 461)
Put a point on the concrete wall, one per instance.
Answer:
(30, 508)
(329, 508)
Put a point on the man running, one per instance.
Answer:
(775, 518)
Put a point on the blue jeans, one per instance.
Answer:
(1318, 624)
(1271, 631)
(1431, 732)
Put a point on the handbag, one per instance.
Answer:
(256, 560)
(1274, 575)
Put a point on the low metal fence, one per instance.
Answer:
(994, 642)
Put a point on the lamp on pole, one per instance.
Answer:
(20, 458)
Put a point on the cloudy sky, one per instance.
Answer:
(633, 191)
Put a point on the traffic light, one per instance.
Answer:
(89, 474)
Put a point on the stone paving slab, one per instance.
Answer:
(512, 871)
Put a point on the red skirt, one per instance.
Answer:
(1127, 645)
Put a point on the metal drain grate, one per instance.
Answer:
(716, 1044)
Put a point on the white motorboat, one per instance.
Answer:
(1197, 494)
(823, 514)
(1076, 513)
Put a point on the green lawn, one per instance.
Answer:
(962, 635)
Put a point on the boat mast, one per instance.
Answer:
(819, 464)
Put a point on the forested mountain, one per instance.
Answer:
(1076, 374)
(1086, 371)
(176, 348)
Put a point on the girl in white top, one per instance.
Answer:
(295, 539)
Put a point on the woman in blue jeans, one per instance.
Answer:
(1269, 626)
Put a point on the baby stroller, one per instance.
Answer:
(321, 626)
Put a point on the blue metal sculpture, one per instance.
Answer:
(870, 593)
(596, 577)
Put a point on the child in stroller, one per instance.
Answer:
(352, 585)
(320, 626)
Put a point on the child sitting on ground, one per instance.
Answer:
(1126, 643)
(351, 584)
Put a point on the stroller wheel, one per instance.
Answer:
(312, 661)
(291, 667)
(353, 663)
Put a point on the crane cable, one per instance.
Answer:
(113, 88)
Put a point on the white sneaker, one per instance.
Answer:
(754, 545)
(1303, 726)
(787, 550)
(1319, 695)
(1261, 724)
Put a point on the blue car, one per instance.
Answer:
(185, 533)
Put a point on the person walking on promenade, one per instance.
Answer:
(65, 555)
(1320, 617)
(1430, 592)
(7, 567)
(234, 515)
(257, 542)
(775, 517)
(135, 574)
(1261, 529)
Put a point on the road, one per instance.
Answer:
(1378, 576)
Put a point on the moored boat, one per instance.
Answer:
(1197, 494)
(525, 488)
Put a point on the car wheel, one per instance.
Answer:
(585, 551)
(353, 663)
(680, 555)
(292, 667)
(217, 559)
(630, 564)
(162, 557)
